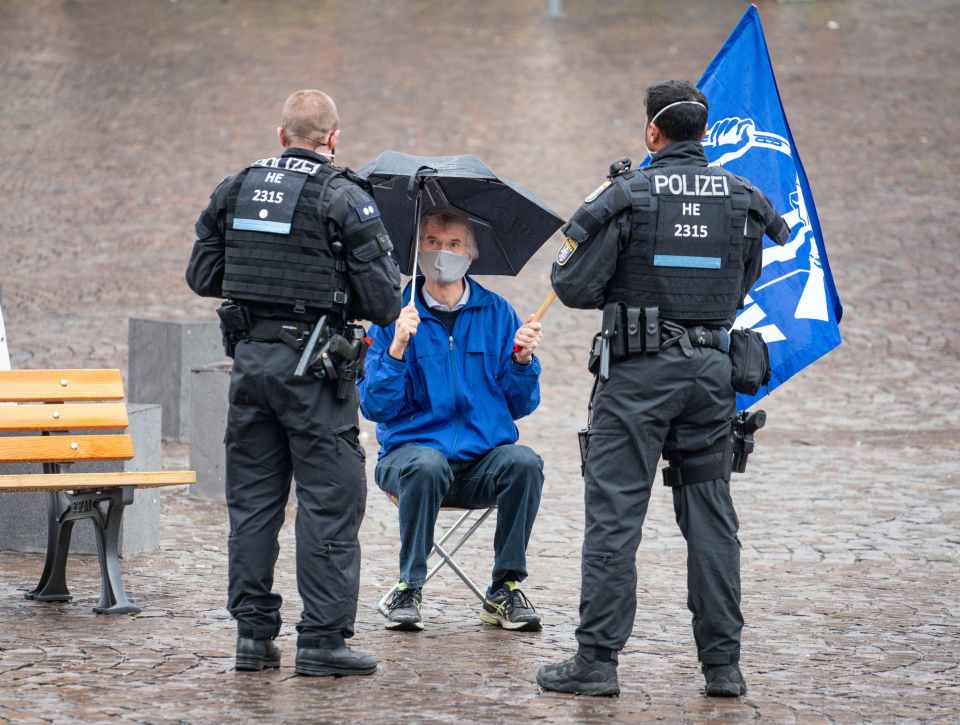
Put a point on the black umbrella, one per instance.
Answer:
(509, 223)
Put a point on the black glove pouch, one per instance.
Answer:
(751, 361)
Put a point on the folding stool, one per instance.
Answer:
(446, 557)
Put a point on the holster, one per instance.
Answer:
(235, 324)
(583, 436)
(341, 359)
(745, 424)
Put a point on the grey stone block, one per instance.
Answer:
(23, 516)
(162, 353)
(4, 353)
(209, 405)
(210, 386)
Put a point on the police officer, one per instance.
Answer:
(295, 242)
(668, 252)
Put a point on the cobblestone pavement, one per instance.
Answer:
(118, 119)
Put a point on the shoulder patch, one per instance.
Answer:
(363, 206)
(597, 192)
(367, 212)
(567, 249)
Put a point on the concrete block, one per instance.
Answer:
(161, 355)
(209, 404)
(209, 401)
(23, 516)
(4, 351)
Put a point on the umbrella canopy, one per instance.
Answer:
(509, 223)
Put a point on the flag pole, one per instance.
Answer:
(541, 311)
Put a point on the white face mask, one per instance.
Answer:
(444, 267)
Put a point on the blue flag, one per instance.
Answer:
(794, 304)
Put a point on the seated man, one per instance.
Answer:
(444, 385)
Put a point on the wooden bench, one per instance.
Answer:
(47, 405)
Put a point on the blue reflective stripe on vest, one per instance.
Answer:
(675, 260)
(258, 225)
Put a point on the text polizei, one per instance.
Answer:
(290, 163)
(691, 185)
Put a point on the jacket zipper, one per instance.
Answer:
(456, 394)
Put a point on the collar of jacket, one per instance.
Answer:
(305, 154)
(479, 297)
(682, 153)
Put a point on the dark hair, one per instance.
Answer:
(680, 123)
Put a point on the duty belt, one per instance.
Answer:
(293, 333)
(630, 331)
(689, 337)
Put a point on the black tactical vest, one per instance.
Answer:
(278, 246)
(686, 249)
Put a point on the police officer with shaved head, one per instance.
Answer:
(669, 253)
(297, 247)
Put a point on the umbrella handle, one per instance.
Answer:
(416, 182)
(541, 311)
(416, 242)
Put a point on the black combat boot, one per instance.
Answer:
(341, 661)
(254, 655)
(724, 681)
(590, 672)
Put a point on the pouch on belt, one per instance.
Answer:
(751, 361)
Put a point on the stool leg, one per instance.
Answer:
(113, 597)
(449, 532)
(459, 572)
(447, 558)
(382, 604)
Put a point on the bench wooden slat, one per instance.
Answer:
(78, 481)
(24, 386)
(55, 417)
(63, 448)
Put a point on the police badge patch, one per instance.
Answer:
(566, 251)
(597, 192)
(366, 212)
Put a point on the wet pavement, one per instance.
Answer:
(117, 120)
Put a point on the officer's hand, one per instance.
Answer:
(406, 327)
(527, 339)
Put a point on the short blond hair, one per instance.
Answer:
(309, 115)
(444, 217)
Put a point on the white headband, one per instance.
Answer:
(671, 105)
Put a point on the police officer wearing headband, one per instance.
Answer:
(298, 247)
(668, 252)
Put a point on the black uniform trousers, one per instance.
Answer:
(277, 427)
(671, 403)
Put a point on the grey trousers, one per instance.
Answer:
(651, 405)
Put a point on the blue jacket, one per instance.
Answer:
(457, 393)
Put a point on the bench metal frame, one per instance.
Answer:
(82, 505)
